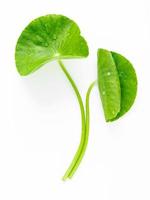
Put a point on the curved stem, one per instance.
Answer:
(82, 120)
(86, 132)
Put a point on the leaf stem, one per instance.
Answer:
(87, 130)
(75, 159)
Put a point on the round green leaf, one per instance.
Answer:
(117, 84)
(48, 38)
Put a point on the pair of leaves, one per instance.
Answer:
(55, 37)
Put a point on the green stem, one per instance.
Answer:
(73, 163)
(86, 132)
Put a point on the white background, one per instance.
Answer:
(40, 118)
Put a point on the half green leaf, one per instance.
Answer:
(117, 84)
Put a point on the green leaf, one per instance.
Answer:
(128, 82)
(48, 38)
(109, 84)
(117, 84)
